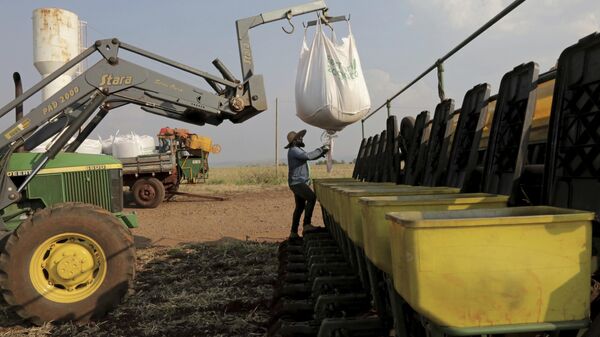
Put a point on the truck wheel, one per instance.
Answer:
(148, 192)
(71, 262)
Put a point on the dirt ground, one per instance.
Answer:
(252, 213)
(204, 268)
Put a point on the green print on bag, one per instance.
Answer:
(338, 70)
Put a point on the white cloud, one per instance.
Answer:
(382, 86)
(410, 20)
(587, 24)
(463, 13)
(471, 14)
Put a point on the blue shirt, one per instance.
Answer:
(298, 166)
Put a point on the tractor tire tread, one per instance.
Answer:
(31, 224)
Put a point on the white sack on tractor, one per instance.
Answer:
(331, 92)
(89, 146)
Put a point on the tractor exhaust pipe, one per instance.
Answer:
(18, 92)
(19, 107)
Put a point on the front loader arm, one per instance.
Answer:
(125, 82)
(157, 93)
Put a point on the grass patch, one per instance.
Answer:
(260, 176)
(215, 181)
(267, 175)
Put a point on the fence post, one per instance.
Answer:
(362, 128)
(388, 105)
(276, 137)
(440, 76)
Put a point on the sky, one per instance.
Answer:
(396, 40)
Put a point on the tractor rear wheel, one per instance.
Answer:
(71, 262)
(148, 192)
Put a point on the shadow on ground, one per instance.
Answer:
(218, 288)
(141, 242)
(129, 202)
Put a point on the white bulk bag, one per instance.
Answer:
(107, 145)
(45, 145)
(146, 144)
(331, 91)
(90, 146)
(125, 147)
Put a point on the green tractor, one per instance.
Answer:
(70, 255)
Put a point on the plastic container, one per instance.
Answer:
(200, 142)
(349, 209)
(326, 192)
(490, 267)
(332, 192)
(317, 186)
(320, 181)
(376, 229)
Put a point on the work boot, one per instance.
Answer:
(294, 236)
(308, 228)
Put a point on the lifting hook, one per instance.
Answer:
(288, 15)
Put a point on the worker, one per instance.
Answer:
(299, 180)
(165, 136)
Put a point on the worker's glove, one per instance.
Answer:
(324, 149)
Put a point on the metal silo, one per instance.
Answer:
(56, 40)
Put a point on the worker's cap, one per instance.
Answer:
(293, 135)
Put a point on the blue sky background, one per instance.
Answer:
(396, 40)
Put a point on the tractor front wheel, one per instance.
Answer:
(71, 262)
(148, 192)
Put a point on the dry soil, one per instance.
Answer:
(257, 214)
